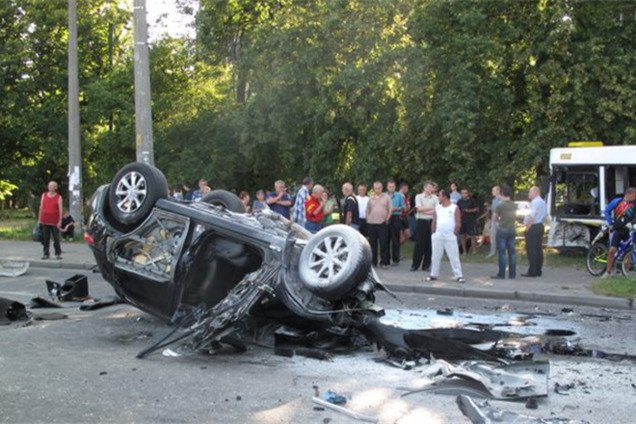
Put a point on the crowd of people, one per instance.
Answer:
(438, 221)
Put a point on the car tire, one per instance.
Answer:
(228, 200)
(134, 192)
(334, 261)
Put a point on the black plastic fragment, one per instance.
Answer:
(101, 303)
(74, 288)
(40, 302)
(49, 316)
(11, 310)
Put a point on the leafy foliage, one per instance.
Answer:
(465, 90)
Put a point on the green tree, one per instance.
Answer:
(40, 117)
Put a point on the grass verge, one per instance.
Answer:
(616, 286)
(16, 224)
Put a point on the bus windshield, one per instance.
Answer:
(577, 191)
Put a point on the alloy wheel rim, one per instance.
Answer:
(328, 259)
(131, 191)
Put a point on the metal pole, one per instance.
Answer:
(143, 110)
(74, 146)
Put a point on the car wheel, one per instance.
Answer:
(228, 200)
(335, 260)
(134, 192)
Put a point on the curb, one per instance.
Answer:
(598, 302)
(57, 264)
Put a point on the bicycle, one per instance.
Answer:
(625, 257)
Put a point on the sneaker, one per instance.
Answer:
(460, 280)
(605, 275)
(58, 257)
(490, 255)
(497, 277)
(431, 278)
(45, 257)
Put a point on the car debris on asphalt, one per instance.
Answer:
(517, 380)
(12, 311)
(346, 411)
(483, 413)
(11, 269)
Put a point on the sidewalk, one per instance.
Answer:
(564, 286)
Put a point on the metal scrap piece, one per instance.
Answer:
(13, 268)
(562, 389)
(509, 381)
(483, 413)
(516, 380)
(348, 412)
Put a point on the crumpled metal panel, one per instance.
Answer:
(518, 380)
(13, 268)
(484, 413)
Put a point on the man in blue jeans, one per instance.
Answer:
(395, 222)
(504, 215)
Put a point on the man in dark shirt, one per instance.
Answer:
(504, 215)
(469, 209)
(67, 228)
(279, 201)
(350, 214)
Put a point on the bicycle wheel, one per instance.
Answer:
(629, 267)
(596, 260)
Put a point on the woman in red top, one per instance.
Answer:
(50, 219)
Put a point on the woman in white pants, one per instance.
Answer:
(445, 227)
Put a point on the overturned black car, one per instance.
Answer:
(217, 273)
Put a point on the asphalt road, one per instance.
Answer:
(83, 368)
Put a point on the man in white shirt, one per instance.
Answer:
(363, 199)
(425, 204)
(534, 232)
(446, 225)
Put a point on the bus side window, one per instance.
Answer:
(610, 183)
(632, 176)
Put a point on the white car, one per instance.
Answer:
(523, 209)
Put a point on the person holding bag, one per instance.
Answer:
(50, 220)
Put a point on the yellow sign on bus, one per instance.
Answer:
(585, 144)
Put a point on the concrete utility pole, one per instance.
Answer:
(143, 110)
(74, 147)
